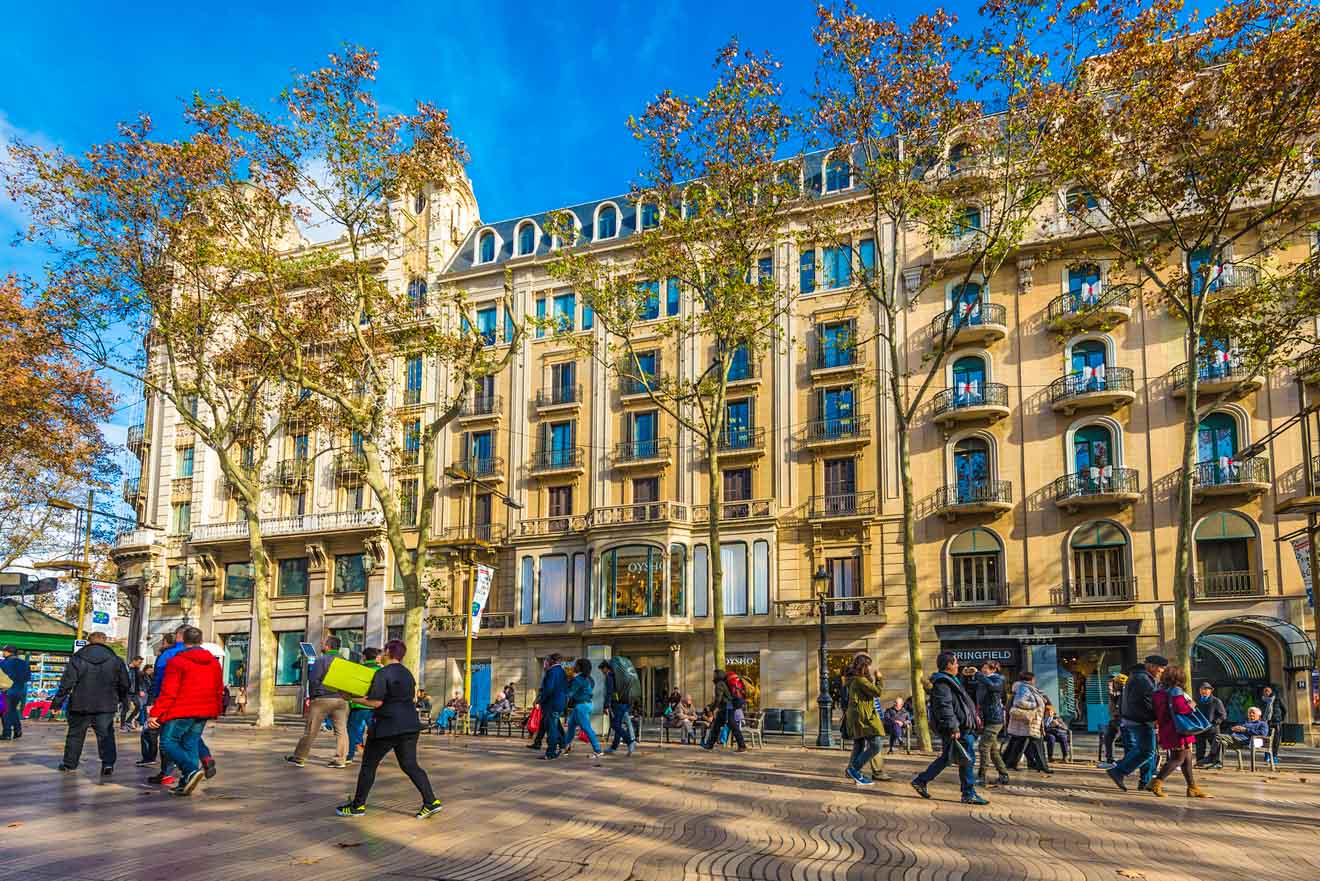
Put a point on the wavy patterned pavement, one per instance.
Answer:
(780, 814)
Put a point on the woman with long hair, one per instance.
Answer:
(864, 724)
(394, 727)
(1026, 716)
(1170, 700)
(579, 711)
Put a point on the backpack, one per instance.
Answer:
(627, 687)
(735, 683)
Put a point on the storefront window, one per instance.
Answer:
(748, 668)
(288, 664)
(351, 573)
(236, 658)
(633, 581)
(1083, 682)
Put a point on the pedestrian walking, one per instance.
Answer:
(1209, 749)
(1110, 734)
(580, 689)
(1274, 712)
(1137, 725)
(395, 727)
(619, 709)
(953, 713)
(864, 724)
(359, 714)
(94, 684)
(18, 672)
(1170, 701)
(132, 706)
(324, 704)
(989, 693)
(191, 695)
(170, 647)
(726, 713)
(553, 698)
(1026, 725)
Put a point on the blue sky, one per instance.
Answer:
(539, 92)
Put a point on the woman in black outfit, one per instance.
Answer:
(394, 726)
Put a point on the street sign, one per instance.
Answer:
(483, 577)
(79, 643)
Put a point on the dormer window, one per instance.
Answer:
(650, 215)
(838, 175)
(526, 239)
(607, 223)
(486, 248)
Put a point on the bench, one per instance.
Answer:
(1252, 746)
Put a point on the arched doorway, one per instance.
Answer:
(1241, 655)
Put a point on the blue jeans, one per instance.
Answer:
(1138, 749)
(181, 741)
(621, 719)
(966, 776)
(580, 717)
(554, 735)
(864, 749)
(357, 728)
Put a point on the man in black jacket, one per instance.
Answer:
(1138, 723)
(1207, 742)
(1273, 712)
(953, 714)
(95, 683)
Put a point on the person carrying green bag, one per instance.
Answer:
(359, 715)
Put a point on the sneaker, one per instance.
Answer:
(1113, 775)
(1217, 766)
(742, 749)
(1105, 766)
(189, 783)
(548, 758)
(65, 769)
(295, 761)
(348, 809)
(974, 799)
(335, 763)
(208, 768)
(596, 757)
(161, 779)
(146, 764)
(882, 778)
(858, 777)
(921, 789)
(107, 770)
(1002, 781)
(429, 810)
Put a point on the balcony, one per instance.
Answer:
(138, 439)
(642, 512)
(456, 625)
(552, 463)
(981, 595)
(734, 510)
(335, 521)
(133, 491)
(1307, 500)
(842, 506)
(1308, 366)
(350, 468)
(1108, 486)
(1211, 586)
(833, 361)
(978, 323)
(1113, 388)
(805, 611)
(635, 389)
(484, 408)
(1113, 591)
(558, 397)
(642, 454)
(1219, 373)
(972, 498)
(480, 468)
(986, 402)
(292, 473)
(1101, 308)
(838, 431)
(1228, 477)
(1232, 277)
(480, 535)
(735, 444)
(541, 527)
(136, 540)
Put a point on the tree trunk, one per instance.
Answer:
(266, 648)
(1182, 566)
(713, 532)
(915, 671)
(405, 558)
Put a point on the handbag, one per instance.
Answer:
(1187, 724)
(534, 719)
(958, 752)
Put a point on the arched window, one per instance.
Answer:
(976, 559)
(969, 380)
(650, 215)
(1088, 366)
(1217, 439)
(487, 247)
(1225, 557)
(607, 223)
(1093, 450)
(1084, 285)
(966, 301)
(1101, 563)
(526, 239)
(971, 469)
(838, 174)
(1080, 200)
(967, 222)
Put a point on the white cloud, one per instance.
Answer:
(114, 434)
(10, 211)
(314, 224)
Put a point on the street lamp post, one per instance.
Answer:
(821, 582)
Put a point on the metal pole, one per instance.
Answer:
(467, 665)
(823, 737)
(86, 579)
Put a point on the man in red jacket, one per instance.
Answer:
(189, 695)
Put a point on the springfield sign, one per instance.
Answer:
(102, 607)
(483, 578)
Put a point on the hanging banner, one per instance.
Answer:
(102, 607)
(483, 576)
(1302, 548)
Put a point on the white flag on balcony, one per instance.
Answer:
(1090, 291)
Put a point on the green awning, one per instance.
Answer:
(37, 642)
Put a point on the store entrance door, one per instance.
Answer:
(656, 677)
